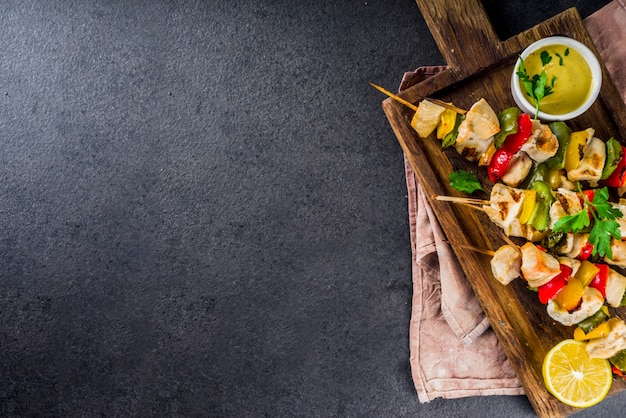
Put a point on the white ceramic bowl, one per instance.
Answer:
(596, 78)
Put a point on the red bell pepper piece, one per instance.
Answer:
(589, 194)
(599, 282)
(499, 164)
(512, 144)
(618, 177)
(549, 290)
(586, 251)
(515, 141)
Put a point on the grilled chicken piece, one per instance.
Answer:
(615, 288)
(515, 228)
(592, 163)
(505, 204)
(571, 263)
(542, 144)
(506, 264)
(566, 202)
(538, 267)
(592, 301)
(518, 169)
(607, 347)
(518, 229)
(621, 206)
(572, 245)
(476, 132)
(426, 118)
(504, 207)
(565, 183)
(618, 248)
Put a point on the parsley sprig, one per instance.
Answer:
(465, 181)
(537, 87)
(604, 226)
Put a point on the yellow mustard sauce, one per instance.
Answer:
(571, 74)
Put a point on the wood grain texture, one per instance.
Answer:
(480, 65)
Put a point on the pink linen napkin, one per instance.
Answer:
(453, 352)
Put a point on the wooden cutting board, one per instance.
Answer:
(480, 65)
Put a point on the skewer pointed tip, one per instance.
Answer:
(394, 96)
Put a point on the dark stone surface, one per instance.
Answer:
(203, 208)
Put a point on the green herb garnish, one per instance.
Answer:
(560, 58)
(537, 87)
(465, 181)
(604, 226)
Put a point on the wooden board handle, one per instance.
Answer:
(463, 33)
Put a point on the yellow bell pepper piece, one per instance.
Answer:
(528, 205)
(600, 331)
(586, 272)
(485, 159)
(446, 125)
(579, 334)
(576, 148)
(569, 297)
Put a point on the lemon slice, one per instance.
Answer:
(573, 377)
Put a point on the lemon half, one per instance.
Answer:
(573, 377)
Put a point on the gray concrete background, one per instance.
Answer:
(203, 209)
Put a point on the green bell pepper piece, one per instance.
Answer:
(619, 360)
(593, 321)
(540, 218)
(508, 125)
(539, 172)
(562, 133)
(552, 240)
(613, 156)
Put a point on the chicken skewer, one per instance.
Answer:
(519, 213)
(504, 209)
(474, 138)
(575, 302)
(530, 143)
(414, 107)
(475, 132)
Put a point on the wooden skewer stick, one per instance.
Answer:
(510, 242)
(463, 200)
(472, 248)
(475, 204)
(395, 97)
(482, 251)
(414, 107)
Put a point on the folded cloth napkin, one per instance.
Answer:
(453, 352)
(607, 28)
